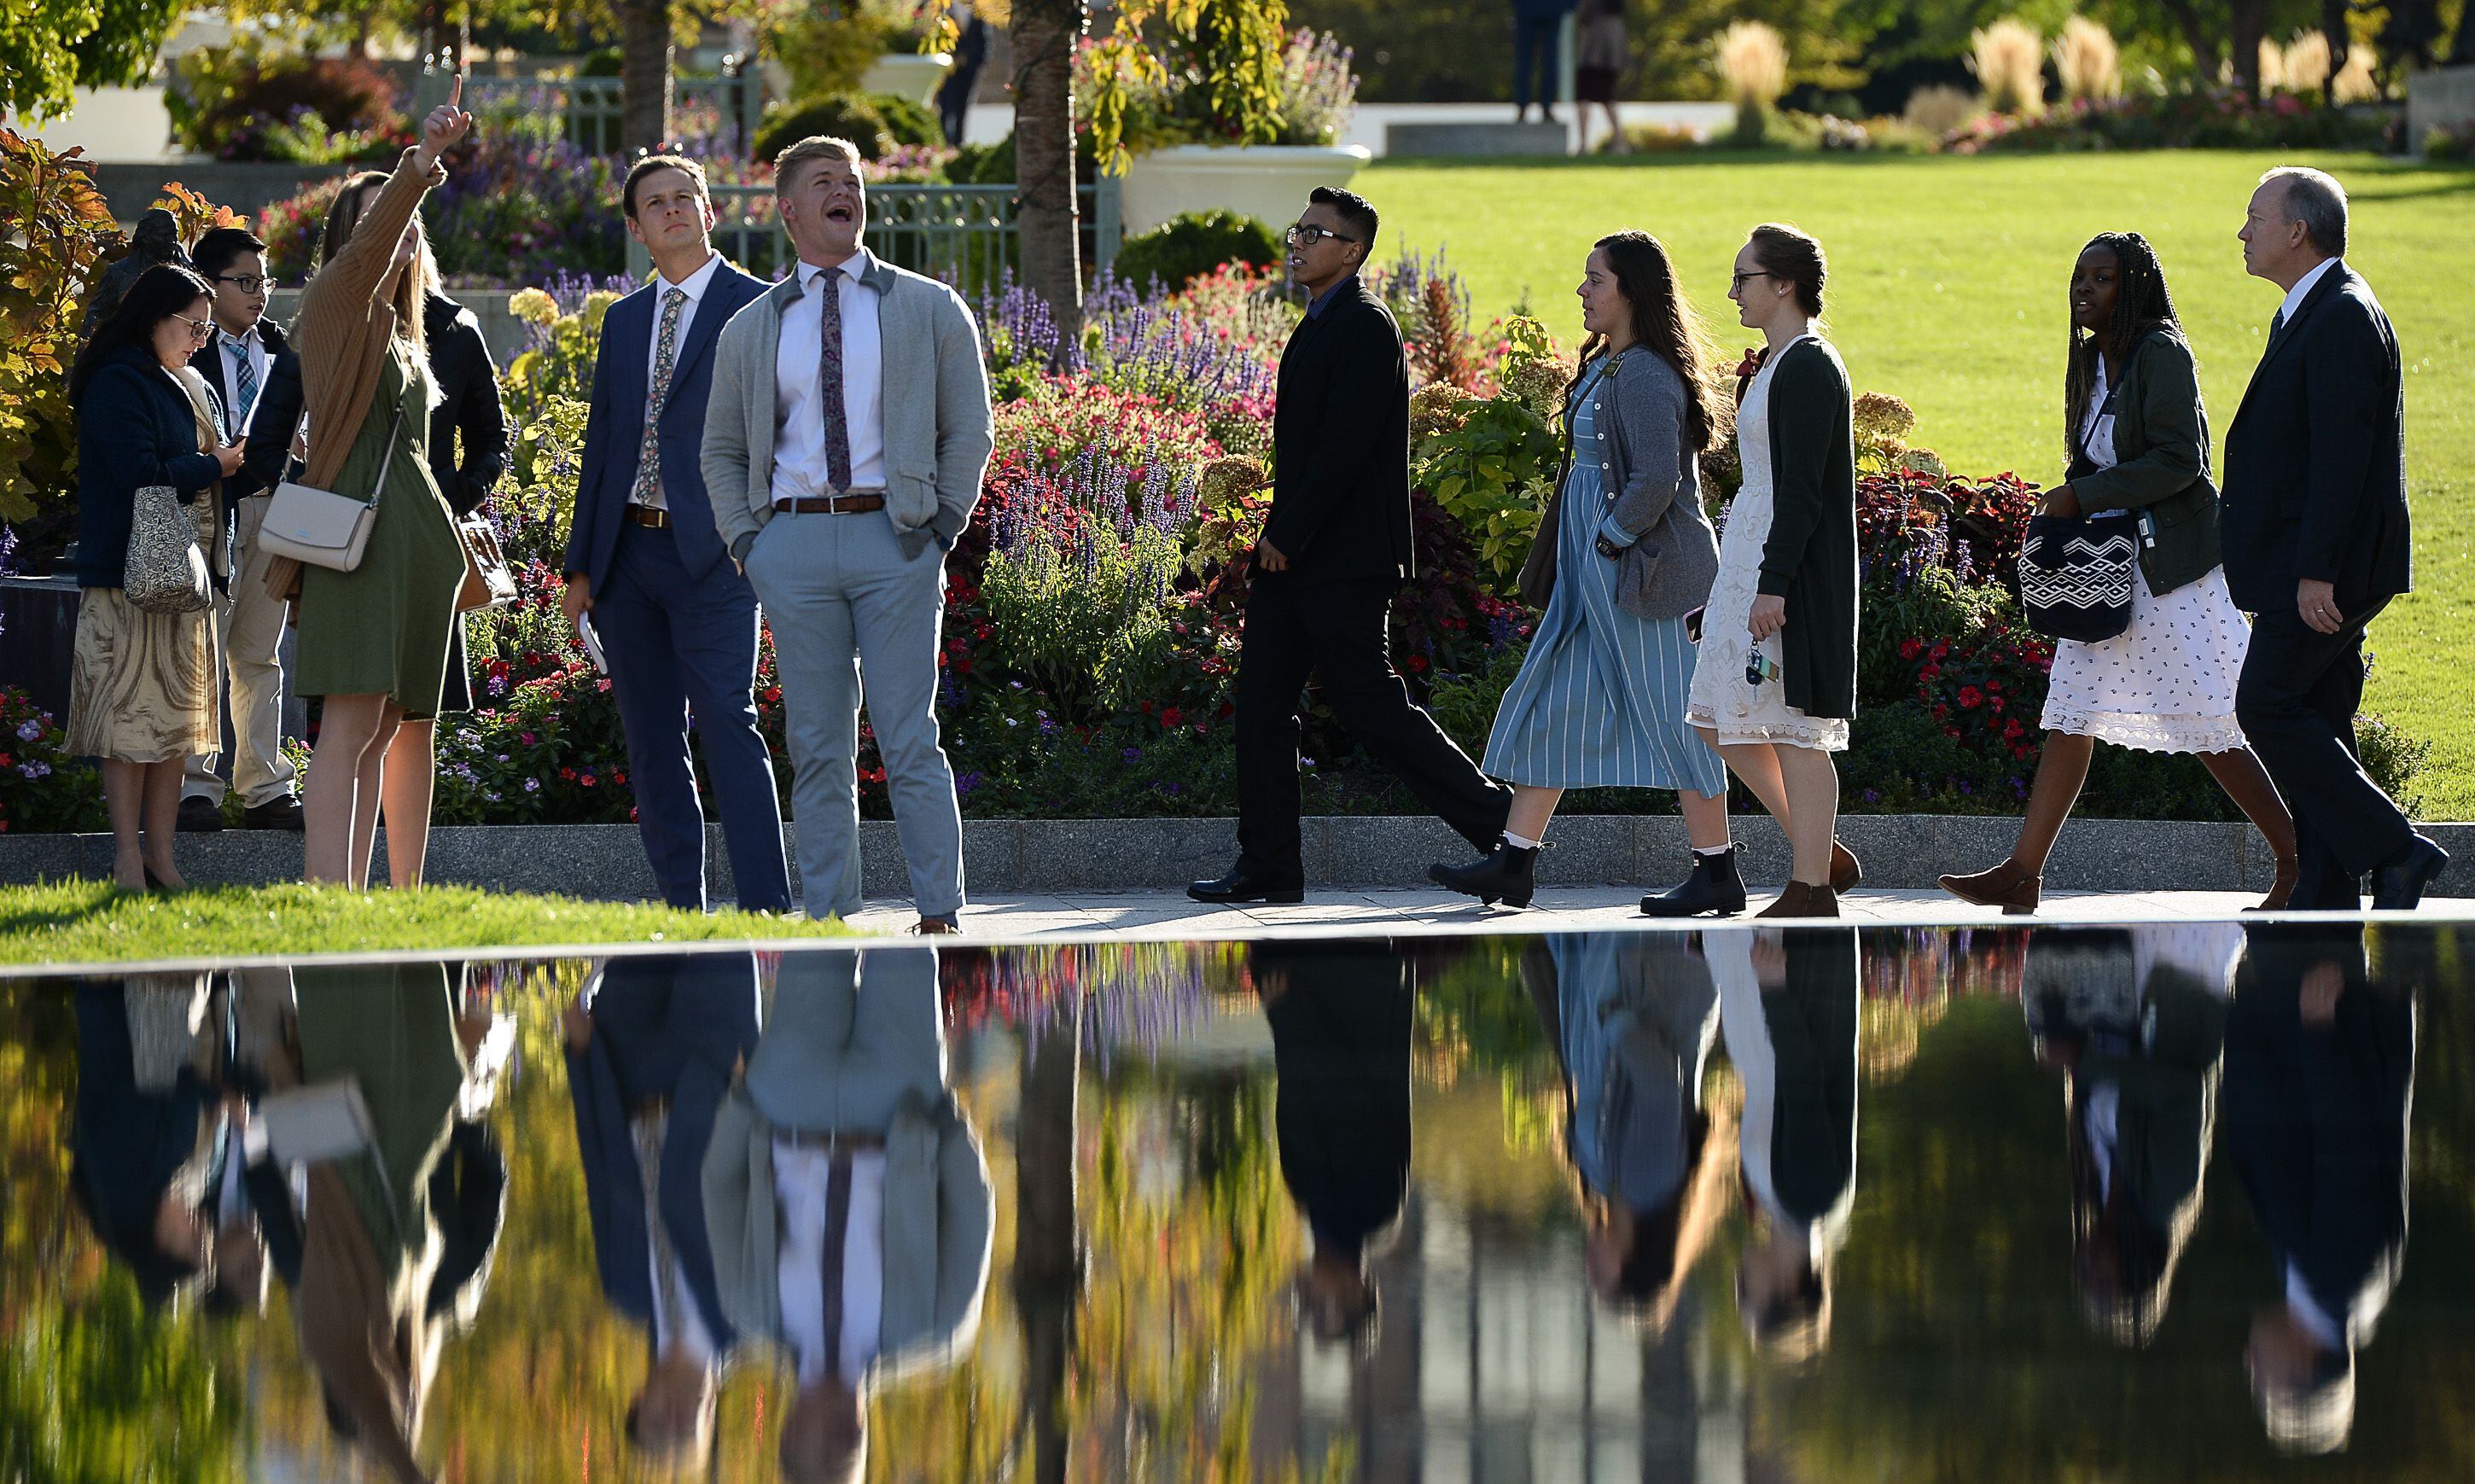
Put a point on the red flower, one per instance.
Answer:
(1171, 716)
(1971, 697)
(1417, 664)
(1910, 648)
(2012, 729)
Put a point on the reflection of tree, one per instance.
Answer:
(1047, 1256)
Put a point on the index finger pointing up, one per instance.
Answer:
(455, 94)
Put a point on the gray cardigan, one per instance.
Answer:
(1671, 554)
(937, 434)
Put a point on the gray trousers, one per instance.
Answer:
(847, 608)
(848, 1036)
(250, 625)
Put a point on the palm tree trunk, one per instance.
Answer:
(1045, 34)
(645, 74)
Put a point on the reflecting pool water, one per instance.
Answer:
(1804, 1205)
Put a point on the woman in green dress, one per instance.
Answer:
(374, 640)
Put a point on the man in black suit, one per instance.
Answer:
(2320, 1073)
(2317, 541)
(1335, 549)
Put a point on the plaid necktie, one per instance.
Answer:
(649, 457)
(829, 382)
(244, 383)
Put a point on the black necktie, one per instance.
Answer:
(2276, 322)
(838, 1186)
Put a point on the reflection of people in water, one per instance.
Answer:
(1340, 1017)
(1787, 1000)
(845, 1196)
(653, 1043)
(149, 1148)
(2135, 1019)
(1633, 1017)
(2320, 1073)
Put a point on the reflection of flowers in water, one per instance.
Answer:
(1911, 975)
(1132, 994)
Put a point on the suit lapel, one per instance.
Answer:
(723, 299)
(2331, 283)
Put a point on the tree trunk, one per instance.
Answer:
(2198, 35)
(1045, 34)
(2249, 24)
(1048, 1242)
(2332, 25)
(645, 74)
(2461, 46)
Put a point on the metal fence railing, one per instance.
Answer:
(966, 234)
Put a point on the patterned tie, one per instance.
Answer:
(829, 382)
(244, 382)
(648, 459)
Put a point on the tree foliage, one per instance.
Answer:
(56, 230)
(48, 48)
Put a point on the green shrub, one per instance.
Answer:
(840, 116)
(1192, 244)
(992, 165)
(907, 119)
(606, 62)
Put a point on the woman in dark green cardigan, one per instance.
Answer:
(2137, 438)
(1774, 685)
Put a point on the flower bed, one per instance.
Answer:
(1093, 605)
(2212, 118)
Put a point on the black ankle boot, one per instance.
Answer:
(1713, 889)
(1506, 875)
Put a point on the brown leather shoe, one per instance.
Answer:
(935, 926)
(1845, 870)
(1802, 900)
(2007, 886)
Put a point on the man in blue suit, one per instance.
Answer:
(651, 1050)
(677, 623)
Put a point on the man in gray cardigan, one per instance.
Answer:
(843, 445)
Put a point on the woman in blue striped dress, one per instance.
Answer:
(1624, 554)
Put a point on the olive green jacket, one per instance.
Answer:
(2161, 463)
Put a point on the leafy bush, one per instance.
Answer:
(60, 233)
(1192, 244)
(842, 115)
(2222, 118)
(222, 103)
(1489, 461)
(908, 120)
(43, 789)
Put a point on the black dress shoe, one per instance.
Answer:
(199, 816)
(1714, 890)
(1507, 874)
(2399, 882)
(1245, 885)
(284, 814)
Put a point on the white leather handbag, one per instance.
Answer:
(321, 527)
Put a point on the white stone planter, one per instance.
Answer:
(1265, 181)
(914, 75)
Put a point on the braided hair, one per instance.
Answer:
(2140, 304)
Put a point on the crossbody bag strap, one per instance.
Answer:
(388, 461)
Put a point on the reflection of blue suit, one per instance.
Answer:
(677, 621)
(671, 1026)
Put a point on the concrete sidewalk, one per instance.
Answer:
(1414, 910)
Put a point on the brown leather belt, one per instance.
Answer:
(812, 1138)
(647, 515)
(831, 504)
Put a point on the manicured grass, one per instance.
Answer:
(73, 922)
(1947, 289)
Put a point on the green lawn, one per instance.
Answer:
(61, 924)
(1947, 289)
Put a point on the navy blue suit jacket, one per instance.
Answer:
(614, 432)
(663, 1026)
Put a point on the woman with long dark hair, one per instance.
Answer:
(143, 685)
(375, 640)
(1774, 683)
(2136, 437)
(1624, 552)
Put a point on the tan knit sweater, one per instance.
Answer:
(341, 333)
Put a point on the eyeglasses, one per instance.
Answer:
(249, 285)
(1302, 236)
(199, 329)
(1736, 280)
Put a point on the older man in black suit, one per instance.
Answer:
(2317, 541)
(1335, 549)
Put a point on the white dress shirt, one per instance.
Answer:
(800, 1175)
(229, 386)
(799, 466)
(2302, 288)
(694, 286)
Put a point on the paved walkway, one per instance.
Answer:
(1169, 914)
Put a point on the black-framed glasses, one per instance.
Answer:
(199, 329)
(247, 283)
(1301, 235)
(1736, 280)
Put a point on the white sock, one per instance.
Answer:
(1517, 842)
(1714, 850)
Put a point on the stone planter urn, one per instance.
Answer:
(915, 75)
(1268, 181)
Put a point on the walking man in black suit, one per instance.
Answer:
(1333, 551)
(2317, 541)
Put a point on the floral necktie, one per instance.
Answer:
(829, 382)
(648, 459)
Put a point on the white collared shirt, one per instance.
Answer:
(694, 286)
(229, 385)
(2302, 289)
(799, 465)
(800, 1171)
